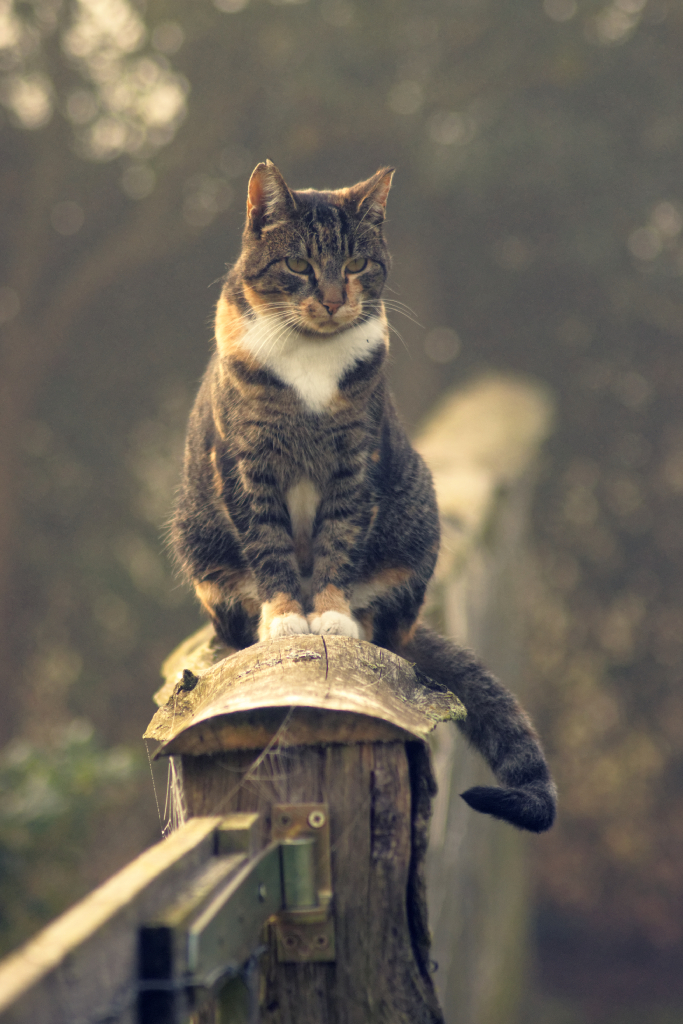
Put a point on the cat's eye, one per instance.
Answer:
(298, 265)
(355, 266)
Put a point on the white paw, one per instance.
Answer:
(286, 625)
(335, 623)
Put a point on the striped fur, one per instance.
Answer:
(303, 506)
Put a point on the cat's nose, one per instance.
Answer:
(331, 296)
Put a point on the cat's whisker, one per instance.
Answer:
(396, 304)
(272, 335)
(276, 330)
(395, 309)
(276, 339)
(398, 335)
(393, 306)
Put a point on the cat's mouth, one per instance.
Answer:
(312, 323)
(326, 330)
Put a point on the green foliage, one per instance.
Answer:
(50, 800)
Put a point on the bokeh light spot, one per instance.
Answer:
(29, 97)
(449, 127)
(442, 345)
(667, 219)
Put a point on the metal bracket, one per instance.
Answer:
(213, 926)
(305, 926)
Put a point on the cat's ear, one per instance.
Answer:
(370, 197)
(269, 200)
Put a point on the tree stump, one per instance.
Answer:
(340, 722)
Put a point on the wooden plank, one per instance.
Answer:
(82, 968)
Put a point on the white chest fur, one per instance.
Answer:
(313, 368)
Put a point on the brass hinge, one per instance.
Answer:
(305, 925)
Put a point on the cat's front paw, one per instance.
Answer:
(335, 623)
(284, 625)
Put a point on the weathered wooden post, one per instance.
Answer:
(327, 736)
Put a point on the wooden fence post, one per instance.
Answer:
(482, 445)
(335, 722)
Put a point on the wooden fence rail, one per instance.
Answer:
(83, 968)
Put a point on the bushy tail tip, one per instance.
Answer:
(525, 807)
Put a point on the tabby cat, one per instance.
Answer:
(303, 507)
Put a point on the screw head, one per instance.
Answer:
(285, 820)
(290, 941)
(321, 941)
(316, 819)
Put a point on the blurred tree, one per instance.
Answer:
(81, 86)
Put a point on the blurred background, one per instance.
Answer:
(536, 224)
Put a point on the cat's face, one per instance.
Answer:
(315, 260)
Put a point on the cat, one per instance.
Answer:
(303, 507)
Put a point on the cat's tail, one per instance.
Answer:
(498, 727)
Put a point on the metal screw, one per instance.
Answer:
(290, 941)
(316, 819)
(321, 941)
(285, 820)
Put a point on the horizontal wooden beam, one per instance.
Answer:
(83, 967)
